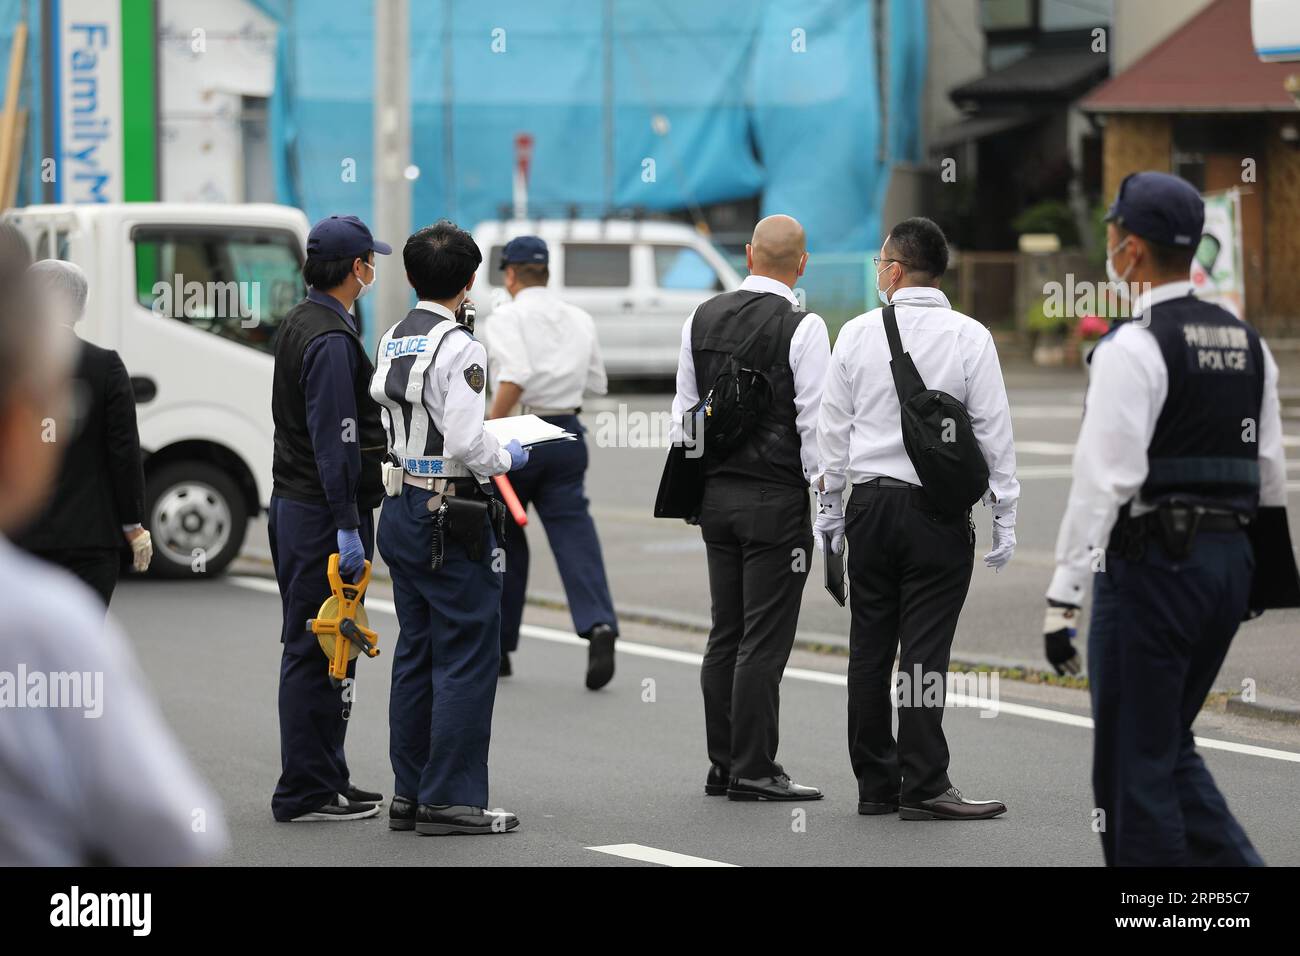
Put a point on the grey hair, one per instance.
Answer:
(64, 283)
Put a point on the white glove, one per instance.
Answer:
(829, 521)
(1004, 542)
(141, 549)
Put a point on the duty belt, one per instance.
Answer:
(434, 466)
(1174, 525)
(549, 412)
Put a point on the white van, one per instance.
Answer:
(639, 281)
(200, 356)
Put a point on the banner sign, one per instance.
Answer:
(1217, 272)
(102, 54)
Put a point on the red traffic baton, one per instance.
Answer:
(511, 499)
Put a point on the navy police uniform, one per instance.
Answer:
(439, 538)
(326, 478)
(1180, 446)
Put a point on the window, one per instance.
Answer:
(496, 276)
(60, 250)
(597, 265)
(236, 283)
(682, 268)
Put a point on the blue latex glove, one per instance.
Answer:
(352, 556)
(518, 454)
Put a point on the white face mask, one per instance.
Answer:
(1115, 279)
(884, 293)
(366, 286)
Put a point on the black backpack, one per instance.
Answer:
(937, 434)
(740, 395)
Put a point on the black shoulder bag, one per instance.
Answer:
(937, 434)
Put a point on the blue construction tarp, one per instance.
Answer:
(666, 106)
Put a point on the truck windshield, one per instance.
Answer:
(238, 283)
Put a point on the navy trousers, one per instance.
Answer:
(313, 712)
(1159, 633)
(552, 482)
(446, 661)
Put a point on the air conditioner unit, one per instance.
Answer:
(1275, 28)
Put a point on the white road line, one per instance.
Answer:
(815, 677)
(649, 854)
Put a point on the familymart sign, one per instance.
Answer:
(100, 62)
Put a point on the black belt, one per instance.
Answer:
(884, 482)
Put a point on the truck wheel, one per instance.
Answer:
(197, 518)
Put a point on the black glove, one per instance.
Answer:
(1060, 626)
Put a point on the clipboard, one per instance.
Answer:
(834, 572)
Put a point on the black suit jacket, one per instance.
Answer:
(100, 486)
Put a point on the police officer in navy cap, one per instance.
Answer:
(543, 355)
(329, 443)
(1181, 445)
(439, 534)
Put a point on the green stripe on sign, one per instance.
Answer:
(139, 109)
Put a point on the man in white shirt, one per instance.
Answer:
(439, 536)
(1180, 449)
(909, 566)
(543, 353)
(754, 512)
(92, 774)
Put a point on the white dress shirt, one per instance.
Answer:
(99, 775)
(448, 399)
(546, 347)
(810, 351)
(860, 431)
(1127, 387)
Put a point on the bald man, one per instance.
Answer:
(754, 513)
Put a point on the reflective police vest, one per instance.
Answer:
(406, 353)
(1205, 448)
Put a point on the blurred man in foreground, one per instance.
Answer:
(91, 773)
(98, 498)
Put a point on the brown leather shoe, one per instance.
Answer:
(951, 805)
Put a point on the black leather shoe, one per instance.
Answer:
(869, 808)
(435, 820)
(951, 805)
(715, 784)
(600, 656)
(357, 795)
(401, 814)
(504, 670)
(780, 787)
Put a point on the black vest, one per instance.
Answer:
(1205, 449)
(293, 468)
(772, 452)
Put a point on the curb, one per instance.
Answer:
(1276, 709)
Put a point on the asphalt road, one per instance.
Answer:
(656, 567)
(623, 768)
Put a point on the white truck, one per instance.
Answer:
(639, 281)
(191, 296)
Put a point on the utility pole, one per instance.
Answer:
(393, 171)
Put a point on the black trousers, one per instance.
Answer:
(909, 570)
(759, 541)
(98, 567)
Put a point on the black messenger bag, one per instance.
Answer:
(937, 434)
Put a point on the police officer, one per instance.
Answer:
(328, 446)
(543, 352)
(1181, 442)
(438, 532)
